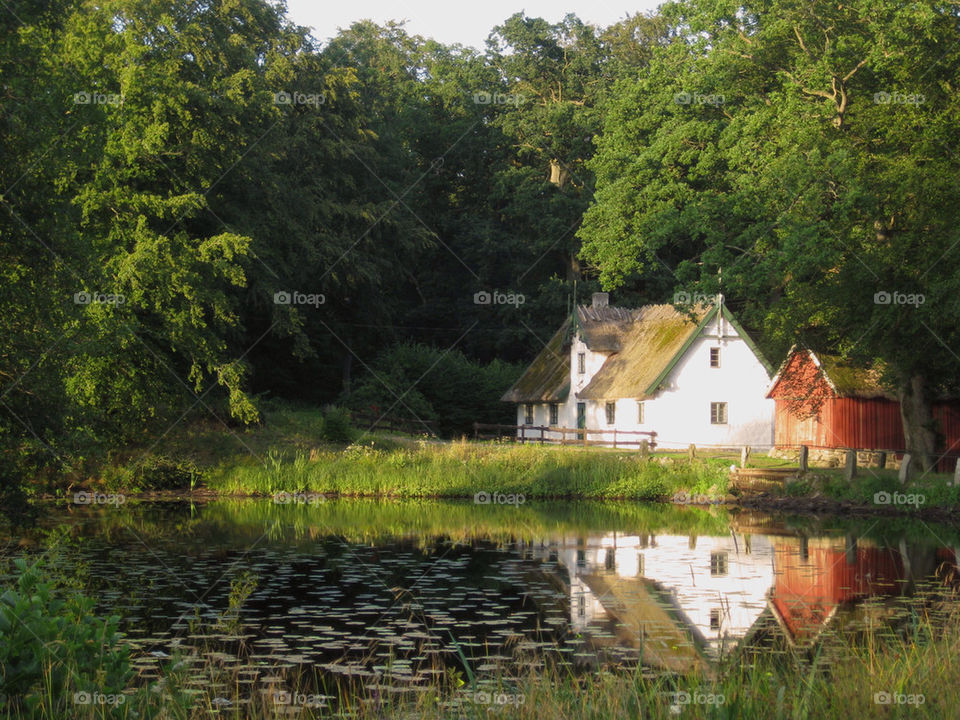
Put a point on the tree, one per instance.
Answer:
(803, 151)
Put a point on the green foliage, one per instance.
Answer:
(426, 383)
(336, 426)
(53, 646)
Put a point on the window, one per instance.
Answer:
(581, 605)
(611, 413)
(714, 357)
(718, 413)
(610, 560)
(581, 363)
(554, 414)
(640, 413)
(718, 563)
(528, 414)
(581, 558)
(715, 619)
(640, 568)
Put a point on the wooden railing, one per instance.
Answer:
(578, 436)
(411, 426)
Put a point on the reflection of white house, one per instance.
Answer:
(694, 379)
(709, 588)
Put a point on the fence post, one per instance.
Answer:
(692, 452)
(804, 458)
(541, 434)
(584, 437)
(956, 474)
(850, 467)
(645, 450)
(744, 455)
(905, 468)
(614, 438)
(523, 434)
(882, 459)
(653, 439)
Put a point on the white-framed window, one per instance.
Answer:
(718, 413)
(528, 414)
(554, 414)
(640, 420)
(715, 619)
(715, 357)
(581, 363)
(611, 413)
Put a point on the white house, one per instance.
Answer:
(696, 379)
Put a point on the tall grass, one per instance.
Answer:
(466, 469)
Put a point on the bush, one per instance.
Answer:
(159, 472)
(53, 647)
(336, 426)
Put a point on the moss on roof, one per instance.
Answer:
(657, 333)
(849, 380)
(548, 377)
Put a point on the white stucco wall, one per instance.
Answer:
(680, 413)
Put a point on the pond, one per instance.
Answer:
(308, 598)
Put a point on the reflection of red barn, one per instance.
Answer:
(823, 402)
(815, 580)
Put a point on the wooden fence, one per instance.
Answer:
(578, 436)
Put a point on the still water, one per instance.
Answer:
(390, 596)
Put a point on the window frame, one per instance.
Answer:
(528, 414)
(641, 413)
(715, 355)
(581, 363)
(718, 409)
(554, 414)
(611, 413)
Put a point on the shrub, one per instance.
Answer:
(159, 472)
(336, 426)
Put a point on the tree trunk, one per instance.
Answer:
(917, 415)
(347, 368)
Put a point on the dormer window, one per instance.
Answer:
(715, 357)
(581, 363)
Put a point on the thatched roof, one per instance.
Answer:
(647, 348)
(548, 377)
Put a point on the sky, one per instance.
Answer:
(456, 21)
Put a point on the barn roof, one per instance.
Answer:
(845, 378)
(643, 346)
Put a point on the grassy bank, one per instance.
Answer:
(487, 472)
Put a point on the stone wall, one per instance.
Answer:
(835, 458)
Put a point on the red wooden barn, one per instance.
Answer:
(824, 402)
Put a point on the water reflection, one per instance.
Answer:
(394, 595)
